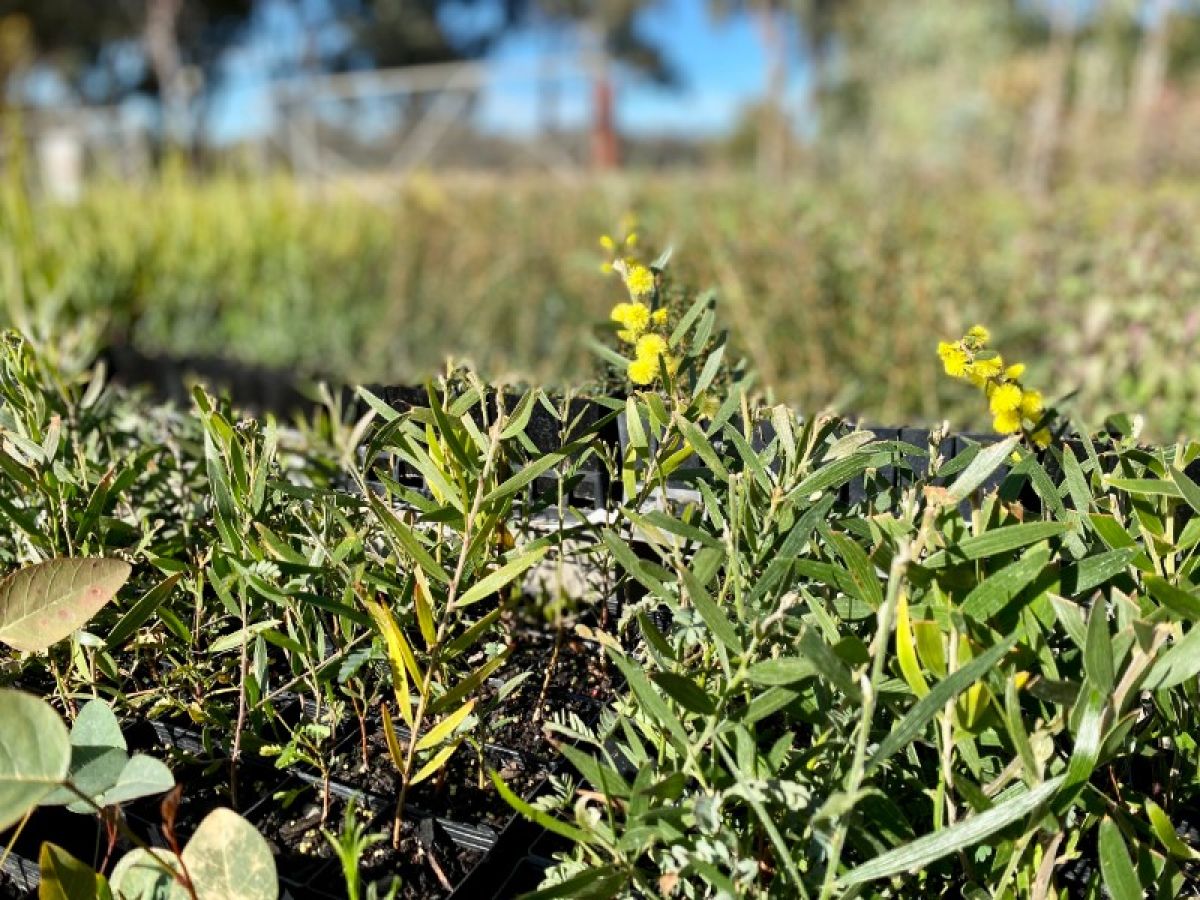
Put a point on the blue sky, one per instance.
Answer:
(720, 64)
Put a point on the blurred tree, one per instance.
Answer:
(818, 22)
(609, 30)
(169, 50)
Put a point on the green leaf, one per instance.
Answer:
(435, 763)
(1120, 878)
(602, 777)
(983, 465)
(1092, 571)
(592, 884)
(1098, 651)
(648, 697)
(140, 875)
(97, 726)
(1164, 830)
(1071, 619)
(229, 860)
(66, 878)
(141, 610)
(995, 542)
(703, 447)
(386, 412)
(629, 561)
(1189, 490)
(143, 776)
(939, 695)
(407, 540)
(445, 728)
(44, 603)
(837, 473)
(996, 590)
(1182, 603)
(547, 821)
(98, 754)
(1076, 481)
(714, 617)
(828, 665)
(1179, 663)
(1144, 487)
(35, 754)
(493, 582)
(916, 855)
(782, 671)
(529, 474)
(685, 692)
(712, 365)
(467, 685)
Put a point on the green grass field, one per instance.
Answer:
(836, 294)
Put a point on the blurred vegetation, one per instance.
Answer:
(837, 293)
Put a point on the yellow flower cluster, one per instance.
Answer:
(1014, 407)
(638, 322)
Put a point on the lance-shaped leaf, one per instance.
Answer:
(919, 853)
(44, 603)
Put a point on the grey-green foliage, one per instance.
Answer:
(226, 858)
(927, 690)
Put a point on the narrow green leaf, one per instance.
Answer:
(495, 581)
(981, 467)
(1120, 878)
(141, 610)
(1098, 651)
(1164, 830)
(939, 695)
(998, 589)
(919, 853)
(714, 617)
(685, 692)
(995, 542)
(649, 698)
(533, 814)
(1182, 603)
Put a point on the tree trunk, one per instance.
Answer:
(1149, 76)
(1047, 115)
(772, 126)
(161, 38)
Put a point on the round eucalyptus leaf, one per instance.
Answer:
(42, 604)
(35, 753)
(97, 726)
(138, 876)
(93, 771)
(229, 860)
(143, 776)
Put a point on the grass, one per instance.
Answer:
(834, 292)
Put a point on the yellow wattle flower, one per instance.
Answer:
(954, 359)
(643, 370)
(1008, 422)
(1015, 371)
(986, 368)
(651, 346)
(639, 280)
(1031, 404)
(979, 334)
(634, 317)
(1005, 398)
(659, 316)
